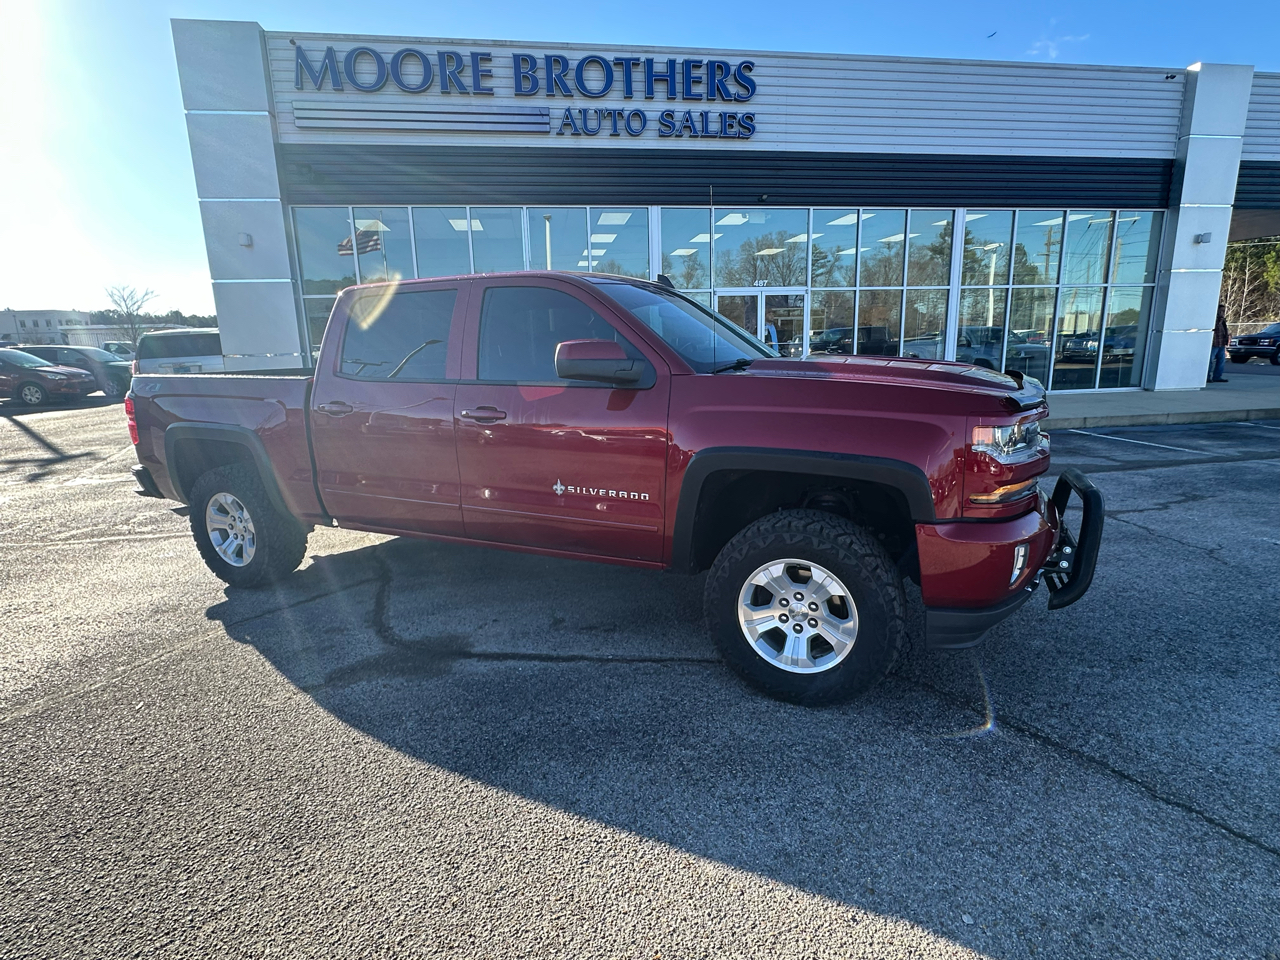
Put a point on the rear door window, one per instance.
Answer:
(180, 345)
(400, 336)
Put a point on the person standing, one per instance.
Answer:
(1221, 337)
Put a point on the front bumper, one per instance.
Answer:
(1263, 353)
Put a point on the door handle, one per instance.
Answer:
(485, 414)
(335, 408)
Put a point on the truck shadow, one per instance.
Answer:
(592, 689)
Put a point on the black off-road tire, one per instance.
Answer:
(281, 541)
(853, 555)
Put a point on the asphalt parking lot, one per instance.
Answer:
(414, 749)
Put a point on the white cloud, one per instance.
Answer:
(1049, 47)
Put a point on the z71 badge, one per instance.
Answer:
(560, 490)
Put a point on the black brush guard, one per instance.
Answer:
(1069, 569)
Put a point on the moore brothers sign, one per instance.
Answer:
(727, 84)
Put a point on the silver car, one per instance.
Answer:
(198, 350)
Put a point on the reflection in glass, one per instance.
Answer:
(981, 338)
(784, 323)
(619, 241)
(383, 244)
(1088, 243)
(1075, 356)
(686, 247)
(1137, 246)
(881, 247)
(701, 296)
(317, 310)
(326, 264)
(565, 228)
(879, 322)
(1037, 246)
(761, 247)
(440, 235)
(1123, 346)
(988, 236)
(925, 317)
(497, 239)
(929, 249)
(835, 248)
(1030, 330)
(743, 310)
(831, 322)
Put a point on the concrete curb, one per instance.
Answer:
(1155, 419)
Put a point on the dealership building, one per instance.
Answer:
(1066, 221)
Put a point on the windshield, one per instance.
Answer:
(179, 345)
(21, 358)
(704, 340)
(1274, 328)
(93, 353)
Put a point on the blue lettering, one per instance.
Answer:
(579, 77)
(666, 123)
(397, 70)
(380, 69)
(479, 74)
(557, 67)
(328, 65)
(718, 72)
(626, 66)
(742, 77)
(644, 122)
(747, 125)
(450, 63)
(690, 81)
(586, 127)
(568, 119)
(614, 116)
(687, 121)
(526, 68)
(668, 76)
(728, 124)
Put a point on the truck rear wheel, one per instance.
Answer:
(807, 607)
(243, 539)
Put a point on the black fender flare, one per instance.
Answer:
(906, 478)
(227, 433)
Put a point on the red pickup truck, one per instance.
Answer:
(612, 419)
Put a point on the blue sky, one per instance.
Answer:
(95, 173)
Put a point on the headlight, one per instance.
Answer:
(1235, 341)
(1264, 343)
(1015, 443)
(55, 376)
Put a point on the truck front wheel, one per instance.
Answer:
(807, 607)
(243, 539)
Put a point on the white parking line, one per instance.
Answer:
(1260, 426)
(1145, 443)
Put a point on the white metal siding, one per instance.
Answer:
(1262, 128)
(804, 102)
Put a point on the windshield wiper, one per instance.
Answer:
(740, 364)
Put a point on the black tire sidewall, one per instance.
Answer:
(241, 482)
(869, 584)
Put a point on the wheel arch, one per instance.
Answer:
(701, 527)
(193, 449)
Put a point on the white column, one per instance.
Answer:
(226, 93)
(1210, 136)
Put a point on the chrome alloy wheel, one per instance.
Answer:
(32, 395)
(798, 616)
(230, 529)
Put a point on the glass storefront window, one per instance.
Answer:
(440, 235)
(835, 248)
(881, 248)
(1087, 247)
(383, 244)
(925, 318)
(686, 247)
(317, 310)
(831, 322)
(497, 239)
(988, 236)
(1137, 246)
(1125, 340)
(1037, 246)
(620, 241)
(784, 323)
(929, 249)
(1030, 330)
(757, 247)
(741, 309)
(324, 248)
(1075, 352)
(566, 230)
(981, 337)
(879, 322)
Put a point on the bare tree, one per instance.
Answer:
(129, 303)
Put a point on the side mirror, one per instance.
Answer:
(603, 361)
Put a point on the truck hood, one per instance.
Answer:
(1015, 391)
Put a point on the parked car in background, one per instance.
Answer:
(34, 380)
(111, 374)
(1265, 345)
(8, 343)
(120, 348)
(197, 350)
